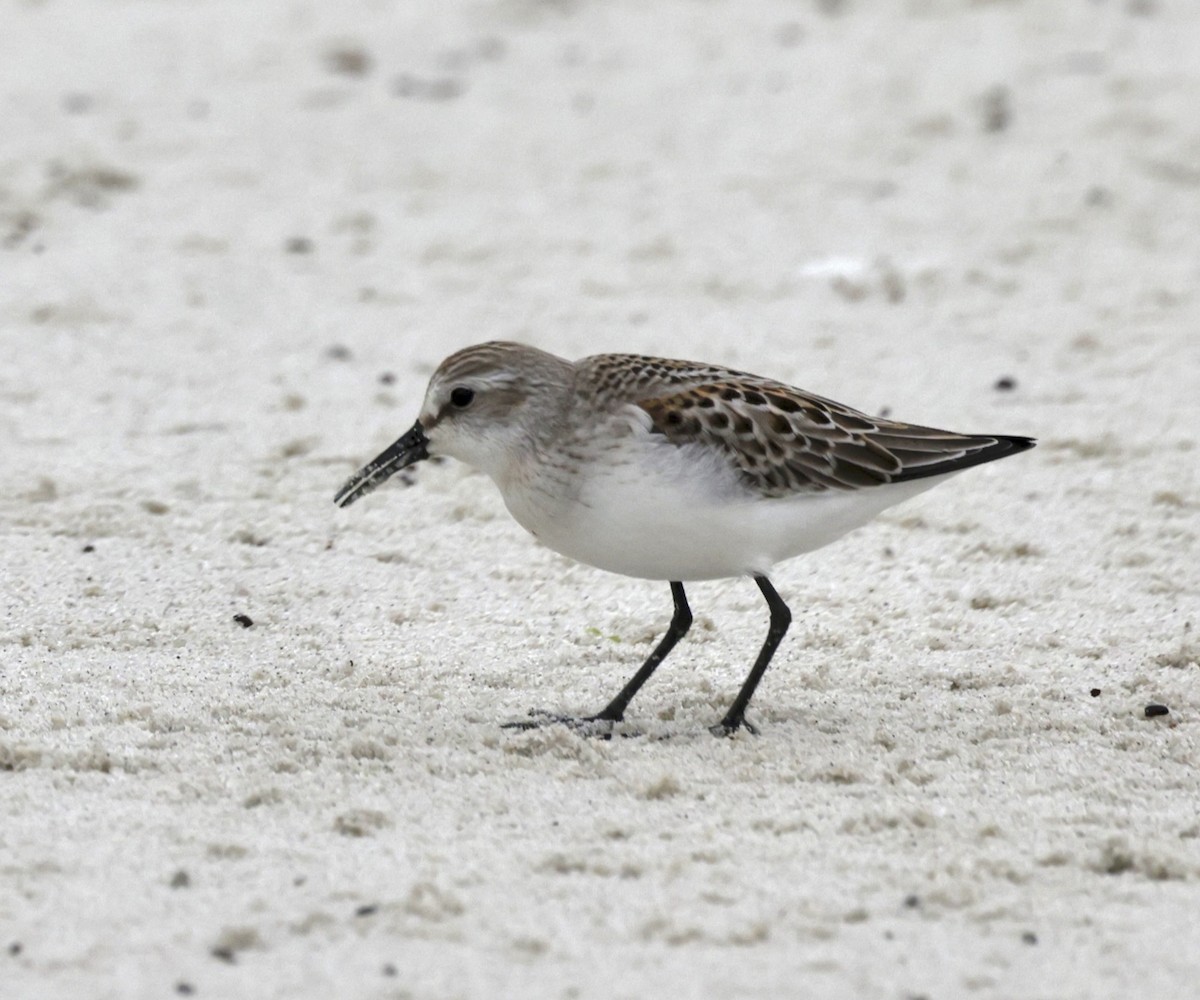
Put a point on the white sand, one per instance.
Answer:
(895, 204)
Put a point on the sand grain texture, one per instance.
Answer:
(234, 240)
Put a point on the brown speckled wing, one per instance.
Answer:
(630, 377)
(786, 442)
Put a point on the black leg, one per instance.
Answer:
(615, 710)
(680, 623)
(781, 618)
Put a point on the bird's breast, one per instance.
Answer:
(643, 508)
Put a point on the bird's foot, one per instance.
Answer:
(727, 727)
(596, 726)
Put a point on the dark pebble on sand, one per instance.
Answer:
(1153, 710)
(78, 104)
(185, 989)
(89, 548)
(1006, 383)
(366, 911)
(387, 378)
(348, 60)
(244, 620)
(996, 109)
(15, 948)
(1094, 692)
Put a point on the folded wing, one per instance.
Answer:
(784, 441)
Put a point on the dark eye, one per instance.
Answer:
(462, 397)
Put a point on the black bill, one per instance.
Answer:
(411, 448)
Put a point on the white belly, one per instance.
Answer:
(666, 513)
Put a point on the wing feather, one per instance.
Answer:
(784, 441)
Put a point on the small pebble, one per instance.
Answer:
(912, 902)
(1006, 383)
(224, 954)
(15, 948)
(996, 108)
(1029, 938)
(389, 969)
(366, 911)
(387, 378)
(89, 548)
(337, 352)
(1095, 692)
(298, 244)
(1153, 710)
(244, 620)
(185, 989)
(348, 60)
(78, 104)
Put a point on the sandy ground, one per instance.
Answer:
(235, 238)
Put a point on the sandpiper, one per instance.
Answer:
(671, 470)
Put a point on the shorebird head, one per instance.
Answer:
(483, 406)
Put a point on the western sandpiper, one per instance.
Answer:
(671, 470)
